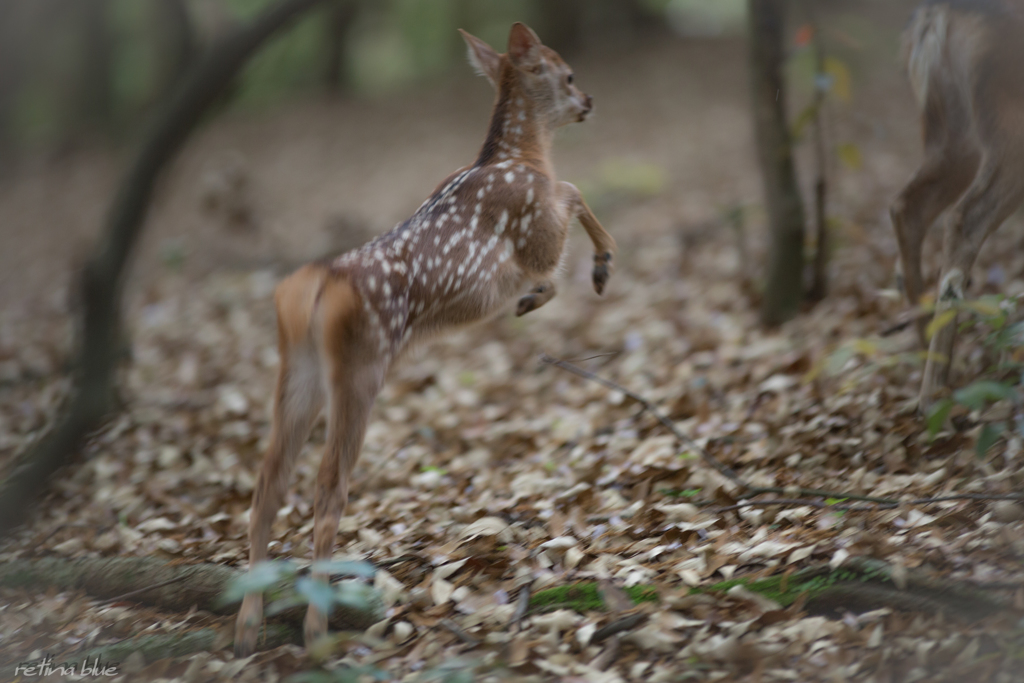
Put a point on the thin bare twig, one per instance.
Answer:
(459, 632)
(522, 604)
(609, 655)
(907, 319)
(600, 355)
(139, 591)
(749, 489)
(864, 508)
(626, 623)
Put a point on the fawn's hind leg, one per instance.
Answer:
(542, 293)
(298, 399)
(355, 373)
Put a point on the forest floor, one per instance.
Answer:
(486, 473)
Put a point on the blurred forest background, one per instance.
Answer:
(334, 132)
(74, 68)
(79, 78)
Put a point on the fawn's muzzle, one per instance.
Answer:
(588, 105)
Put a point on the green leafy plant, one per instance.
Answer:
(1003, 376)
(991, 320)
(282, 581)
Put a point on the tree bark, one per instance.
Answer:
(340, 15)
(10, 77)
(784, 284)
(819, 278)
(178, 45)
(93, 392)
(95, 87)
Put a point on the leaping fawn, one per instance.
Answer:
(487, 232)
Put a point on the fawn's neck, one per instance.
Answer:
(515, 131)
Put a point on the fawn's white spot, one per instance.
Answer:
(509, 177)
(521, 242)
(499, 227)
(372, 282)
(506, 253)
(529, 196)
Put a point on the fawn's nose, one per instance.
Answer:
(588, 104)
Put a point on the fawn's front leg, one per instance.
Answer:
(604, 244)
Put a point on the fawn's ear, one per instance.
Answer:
(482, 56)
(523, 46)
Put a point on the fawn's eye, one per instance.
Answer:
(568, 79)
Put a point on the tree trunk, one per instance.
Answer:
(177, 43)
(95, 88)
(819, 278)
(92, 396)
(784, 285)
(10, 78)
(340, 16)
(563, 25)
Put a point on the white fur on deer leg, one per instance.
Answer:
(952, 288)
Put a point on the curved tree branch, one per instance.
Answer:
(93, 395)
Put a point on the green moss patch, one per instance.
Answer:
(584, 596)
(812, 583)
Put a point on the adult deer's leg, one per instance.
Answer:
(297, 404)
(951, 162)
(991, 198)
(604, 244)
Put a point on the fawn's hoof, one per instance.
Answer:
(245, 639)
(526, 304)
(602, 270)
(247, 627)
(314, 627)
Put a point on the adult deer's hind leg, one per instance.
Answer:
(995, 193)
(951, 162)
